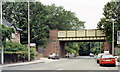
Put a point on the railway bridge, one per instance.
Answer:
(58, 38)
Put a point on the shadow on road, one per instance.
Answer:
(108, 66)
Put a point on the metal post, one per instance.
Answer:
(28, 33)
(2, 58)
(113, 39)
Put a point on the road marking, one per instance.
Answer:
(59, 69)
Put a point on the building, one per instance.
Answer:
(16, 35)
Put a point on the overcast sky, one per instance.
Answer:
(89, 11)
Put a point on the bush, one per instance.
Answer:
(14, 47)
(32, 53)
(118, 59)
(21, 51)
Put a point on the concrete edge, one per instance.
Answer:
(13, 65)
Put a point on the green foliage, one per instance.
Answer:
(32, 53)
(83, 48)
(61, 19)
(95, 47)
(42, 19)
(17, 48)
(17, 13)
(6, 32)
(72, 47)
(118, 49)
(111, 11)
(118, 59)
(14, 47)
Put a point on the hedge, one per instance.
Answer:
(17, 52)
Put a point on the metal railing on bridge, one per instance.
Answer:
(81, 35)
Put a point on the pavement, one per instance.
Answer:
(0, 68)
(23, 63)
(41, 60)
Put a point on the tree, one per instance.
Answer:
(61, 19)
(111, 11)
(6, 32)
(84, 48)
(96, 47)
(72, 47)
(17, 13)
(42, 19)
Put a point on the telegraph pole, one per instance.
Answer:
(28, 32)
(2, 60)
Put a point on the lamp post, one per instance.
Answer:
(112, 20)
(2, 60)
(28, 33)
(113, 51)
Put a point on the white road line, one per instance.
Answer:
(59, 69)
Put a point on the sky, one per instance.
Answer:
(89, 11)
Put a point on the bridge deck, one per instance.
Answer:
(81, 35)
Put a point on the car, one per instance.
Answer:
(91, 55)
(98, 57)
(116, 57)
(53, 56)
(107, 59)
(67, 55)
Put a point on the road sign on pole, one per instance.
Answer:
(118, 37)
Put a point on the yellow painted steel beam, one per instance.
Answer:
(81, 33)
(82, 39)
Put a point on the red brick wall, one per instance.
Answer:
(54, 46)
(53, 34)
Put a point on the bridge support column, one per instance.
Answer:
(62, 49)
(54, 45)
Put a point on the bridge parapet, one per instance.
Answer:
(81, 35)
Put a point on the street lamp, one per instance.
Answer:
(28, 32)
(2, 60)
(113, 49)
(112, 20)
(113, 37)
